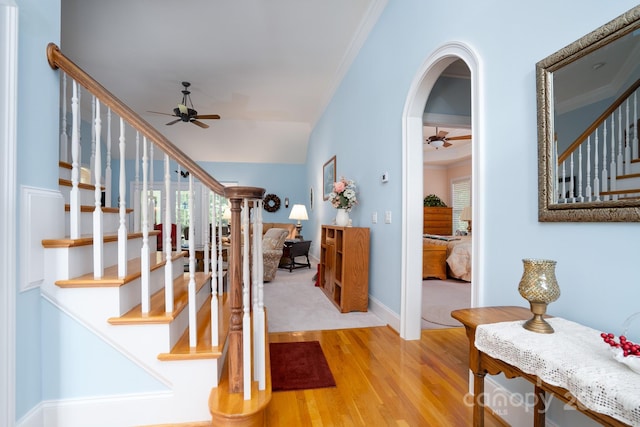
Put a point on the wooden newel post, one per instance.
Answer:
(236, 195)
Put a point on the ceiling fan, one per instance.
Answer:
(440, 139)
(185, 111)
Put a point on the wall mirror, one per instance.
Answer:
(588, 101)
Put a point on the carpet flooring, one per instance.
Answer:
(440, 298)
(299, 366)
(294, 303)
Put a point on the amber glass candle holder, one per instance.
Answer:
(539, 286)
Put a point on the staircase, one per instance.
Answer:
(182, 327)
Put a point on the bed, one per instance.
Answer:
(458, 254)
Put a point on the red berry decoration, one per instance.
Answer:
(628, 348)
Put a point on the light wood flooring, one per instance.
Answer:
(382, 380)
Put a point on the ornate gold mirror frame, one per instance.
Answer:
(566, 60)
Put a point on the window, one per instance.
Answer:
(461, 198)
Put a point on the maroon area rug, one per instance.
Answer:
(299, 366)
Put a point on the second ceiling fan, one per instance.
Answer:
(185, 111)
(440, 139)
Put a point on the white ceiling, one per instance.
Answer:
(268, 68)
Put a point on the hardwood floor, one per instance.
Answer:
(382, 380)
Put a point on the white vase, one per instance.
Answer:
(342, 218)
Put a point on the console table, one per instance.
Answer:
(292, 250)
(481, 363)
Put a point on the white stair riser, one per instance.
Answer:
(66, 263)
(87, 196)
(111, 222)
(181, 322)
(130, 294)
(627, 183)
(634, 167)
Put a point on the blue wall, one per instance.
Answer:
(38, 24)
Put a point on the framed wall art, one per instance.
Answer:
(328, 177)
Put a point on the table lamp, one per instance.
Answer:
(299, 212)
(465, 215)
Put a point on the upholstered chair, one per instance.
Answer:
(272, 246)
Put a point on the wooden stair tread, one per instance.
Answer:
(87, 240)
(203, 350)
(158, 313)
(110, 277)
(85, 186)
(88, 208)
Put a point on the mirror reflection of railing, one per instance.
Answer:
(581, 181)
(583, 170)
(75, 82)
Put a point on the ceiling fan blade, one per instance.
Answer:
(459, 138)
(173, 122)
(207, 116)
(157, 112)
(447, 144)
(442, 134)
(198, 123)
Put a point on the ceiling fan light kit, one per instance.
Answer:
(440, 139)
(185, 111)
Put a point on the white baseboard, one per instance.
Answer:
(118, 411)
(384, 313)
(510, 406)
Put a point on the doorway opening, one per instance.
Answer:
(413, 159)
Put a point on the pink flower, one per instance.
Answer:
(338, 187)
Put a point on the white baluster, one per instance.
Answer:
(92, 159)
(107, 170)
(167, 244)
(79, 126)
(635, 128)
(620, 169)
(596, 179)
(588, 189)
(64, 137)
(122, 202)
(627, 145)
(563, 183)
(246, 304)
(193, 327)
(215, 288)
(613, 167)
(206, 226)
(152, 198)
(98, 229)
(74, 196)
(580, 196)
(605, 177)
(179, 212)
(145, 270)
(572, 195)
(220, 269)
(259, 323)
(136, 202)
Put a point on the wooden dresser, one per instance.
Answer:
(437, 220)
(344, 267)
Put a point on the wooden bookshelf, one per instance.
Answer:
(344, 267)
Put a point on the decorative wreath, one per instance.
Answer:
(271, 203)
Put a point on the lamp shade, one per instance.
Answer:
(465, 215)
(299, 212)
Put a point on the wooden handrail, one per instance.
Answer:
(58, 60)
(575, 144)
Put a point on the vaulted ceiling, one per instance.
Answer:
(268, 68)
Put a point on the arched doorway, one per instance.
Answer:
(412, 159)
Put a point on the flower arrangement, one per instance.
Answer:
(343, 195)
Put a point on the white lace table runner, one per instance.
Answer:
(574, 358)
